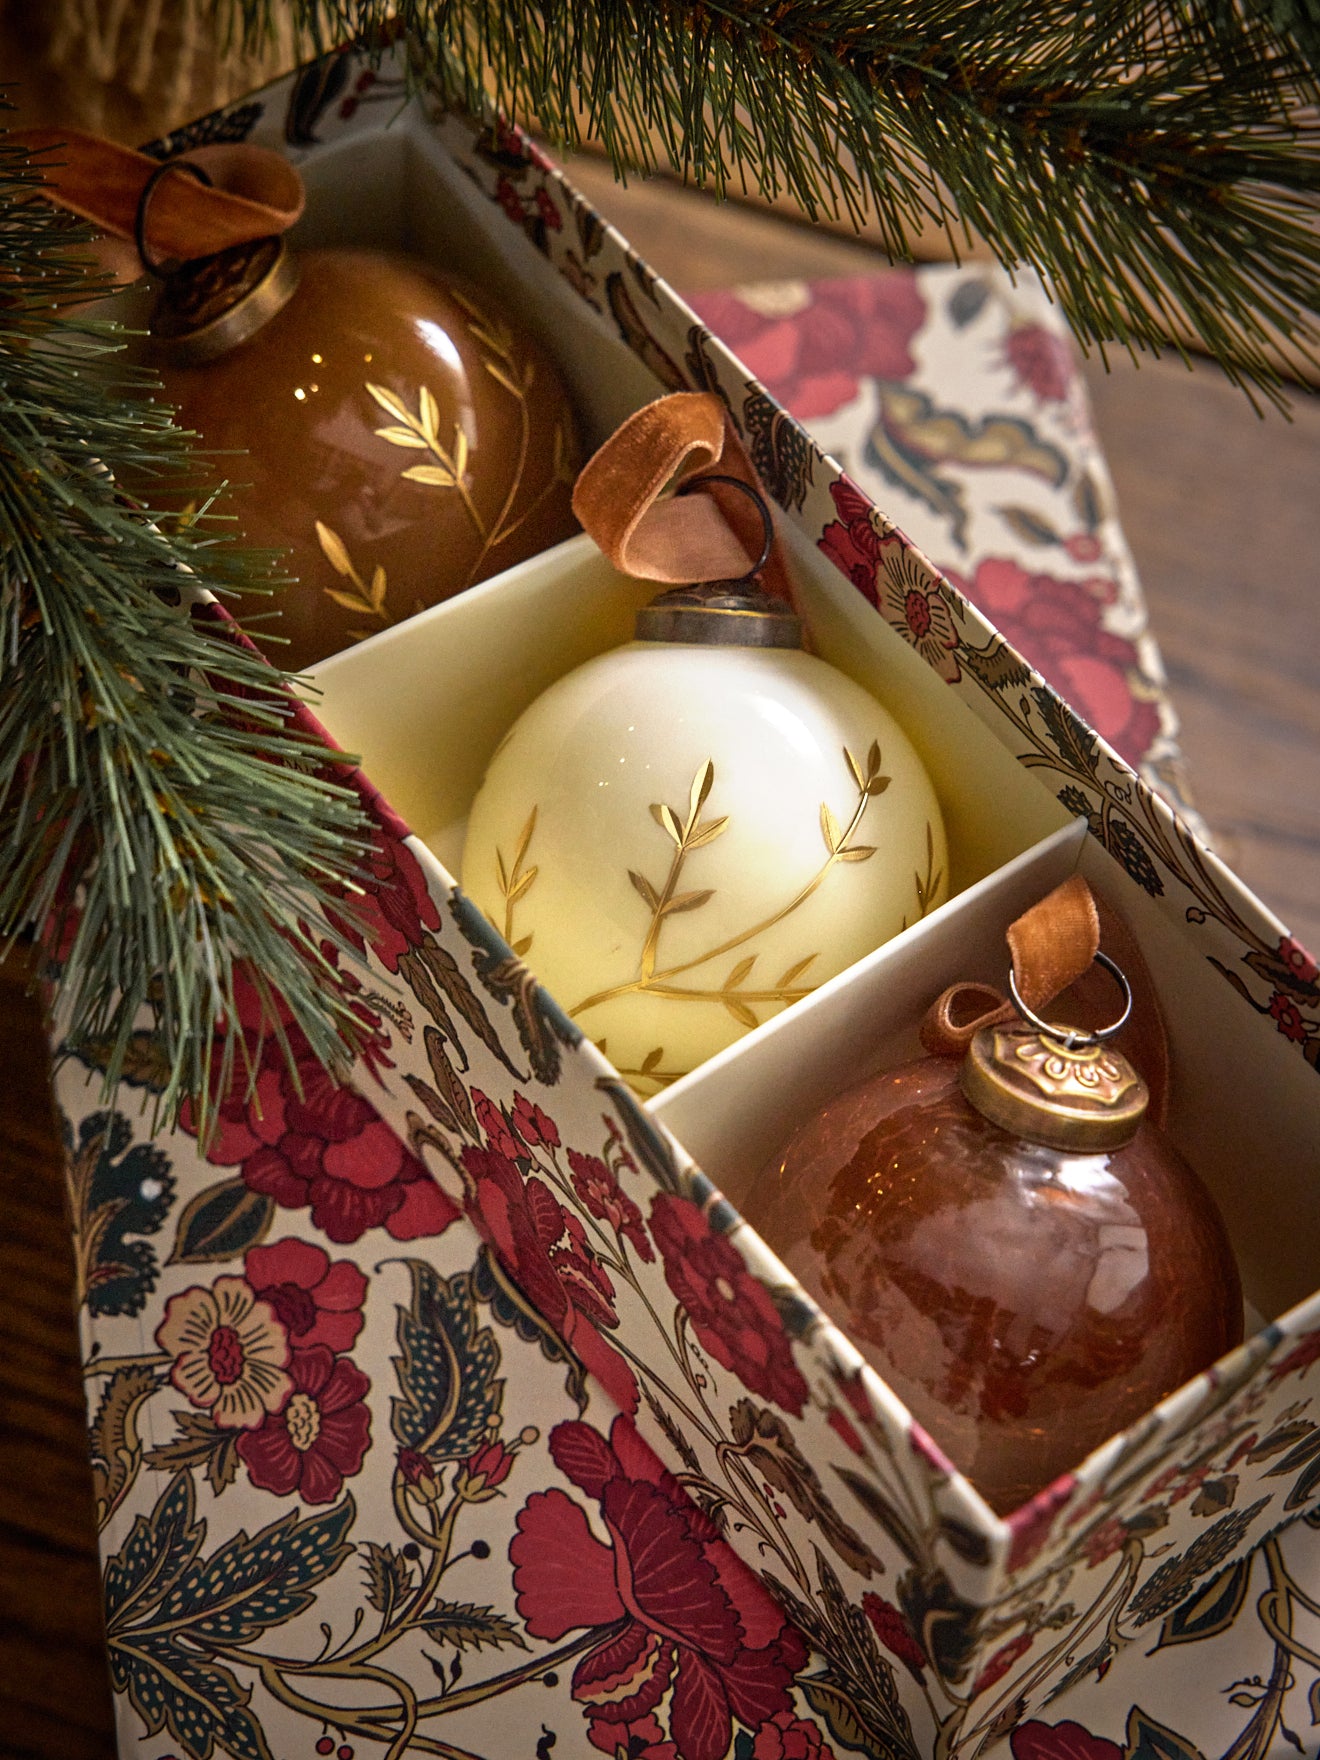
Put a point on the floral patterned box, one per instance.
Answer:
(456, 1412)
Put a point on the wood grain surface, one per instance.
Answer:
(1219, 507)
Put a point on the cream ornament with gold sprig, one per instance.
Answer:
(689, 833)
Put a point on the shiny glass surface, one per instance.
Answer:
(1025, 1303)
(404, 437)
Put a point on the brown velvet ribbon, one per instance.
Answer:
(1053, 948)
(621, 497)
(255, 193)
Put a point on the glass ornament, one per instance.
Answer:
(405, 438)
(687, 834)
(1027, 1261)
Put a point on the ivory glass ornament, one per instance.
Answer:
(689, 833)
(404, 437)
(1029, 1263)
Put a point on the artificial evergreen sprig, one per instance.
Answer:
(1158, 164)
(159, 817)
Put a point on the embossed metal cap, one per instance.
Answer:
(211, 305)
(1080, 1096)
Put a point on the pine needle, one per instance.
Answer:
(1158, 165)
(161, 822)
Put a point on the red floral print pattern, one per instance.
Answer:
(316, 1302)
(1002, 1660)
(320, 1436)
(324, 1146)
(731, 1313)
(787, 1737)
(1297, 960)
(1060, 1741)
(1056, 626)
(230, 1352)
(1040, 361)
(1287, 1017)
(535, 1127)
(599, 1190)
(681, 1610)
(1305, 1352)
(1032, 1523)
(894, 1632)
(855, 541)
(859, 328)
(544, 1249)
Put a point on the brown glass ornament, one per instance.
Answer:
(405, 437)
(1025, 1301)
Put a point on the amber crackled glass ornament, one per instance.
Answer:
(1027, 1260)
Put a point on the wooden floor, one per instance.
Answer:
(1219, 507)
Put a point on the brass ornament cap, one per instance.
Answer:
(1084, 1098)
(215, 304)
(726, 613)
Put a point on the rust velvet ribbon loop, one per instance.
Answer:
(254, 193)
(1053, 948)
(620, 497)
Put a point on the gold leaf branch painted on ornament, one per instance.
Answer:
(449, 466)
(690, 833)
(368, 600)
(515, 882)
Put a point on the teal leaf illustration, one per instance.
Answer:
(449, 1395)
(198, 1701)
(1211, 1610)
(221, 1222)
(158, 1549)
(119, 1192)
(1148, 1740)
(249, 1584)
(167, 1606)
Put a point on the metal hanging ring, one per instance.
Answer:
(160, 271)
(754, 495)
(1075, 1038)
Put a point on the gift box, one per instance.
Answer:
(553, 1454)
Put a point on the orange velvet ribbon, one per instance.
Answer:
(621, 497)
(1053, 948)
(255, 193)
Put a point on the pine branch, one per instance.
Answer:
(1156, 164)
(160, 819)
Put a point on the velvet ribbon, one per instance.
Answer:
(1053, 948)
(623, 497)
(254, 193)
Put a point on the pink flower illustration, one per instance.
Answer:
(814, 362)
(595, 1183)
(1288, 1017)
(1040, 361)
(316, 1302)
(1056, 625)
(1297, 960)
(677, 1608)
